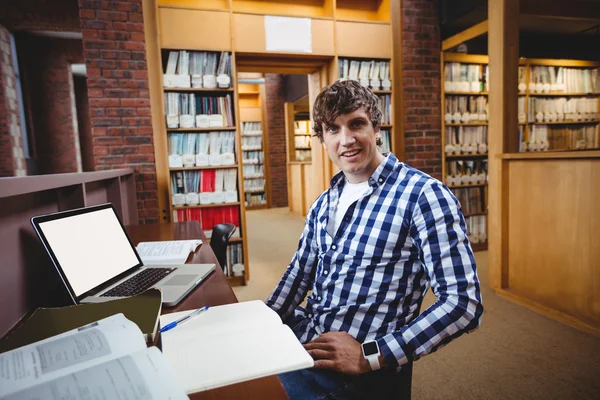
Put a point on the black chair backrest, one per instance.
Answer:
(218, 241)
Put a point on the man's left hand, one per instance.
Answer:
(338, 351)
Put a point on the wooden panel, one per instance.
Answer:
(249, 33)
(308, 195)
(199, 4)
(250, 113)
(367, 10)
(194, 29)
(467, 34)
(304, 8)
(358, 39)
(553, 236)
(296, 194)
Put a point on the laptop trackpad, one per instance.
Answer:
(180, 280)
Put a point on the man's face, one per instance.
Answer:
(350, 141)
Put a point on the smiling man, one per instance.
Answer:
(372, 246)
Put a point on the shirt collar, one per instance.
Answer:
(378, 177)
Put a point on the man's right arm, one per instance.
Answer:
(299, 276)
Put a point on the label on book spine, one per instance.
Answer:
(178, 199)
(175, 161)
(206, 198)
(202, 121)
(196, 81)
(223, 81)
(231, 196)
(186, 121)
(209, 81)
(202, 160)
(216, 121)
(215, 159)
(228, 158)
(192, 198)
(218, 197)
(189, 160)
(172, 121)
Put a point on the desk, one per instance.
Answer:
(213, 291)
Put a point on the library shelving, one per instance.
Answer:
(203, 147)
(464, 136)
(558, 106)
(252, 105)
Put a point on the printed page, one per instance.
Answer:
(234, 357)
(142, 375)
(166, 252)
(63, 354)
(218, 320)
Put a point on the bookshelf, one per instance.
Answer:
(464, 137)
(203, 147)
(558, 106)
(252, 106)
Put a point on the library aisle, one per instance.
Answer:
(516, 354)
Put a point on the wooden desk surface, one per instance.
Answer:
(213, 291)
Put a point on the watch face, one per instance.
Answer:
(370, 348)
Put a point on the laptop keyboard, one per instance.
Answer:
(139, 282)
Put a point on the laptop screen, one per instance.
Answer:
(91, 248)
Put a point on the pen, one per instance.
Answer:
(180, 321)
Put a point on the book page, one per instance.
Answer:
(142, 375)
(89, 345)
(166, 252)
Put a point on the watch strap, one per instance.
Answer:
(374, 362)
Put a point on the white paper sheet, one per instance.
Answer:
(288, 34)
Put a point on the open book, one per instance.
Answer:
(104, 360)
(167, 252)
(230, 344)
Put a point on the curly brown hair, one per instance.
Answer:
(344, 97)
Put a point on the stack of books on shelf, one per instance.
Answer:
(302, 140)
(201, 149)
(466, 110)
(254, 185)
(476, 229)
(254, 159)
(374, 74)
(250, 143)
(465, 78)
(252, 129)
(466, 173)
(192, 110)
(466, 140)
(235, 260)
(196, 69)
(204, 187)
(254, 171)
(385, 105)
(209, 217)
(545, 79)
(385, 141)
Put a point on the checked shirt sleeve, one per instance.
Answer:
(438, 229)
(299, 276)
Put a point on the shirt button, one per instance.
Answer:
(380, 180)
(309, 315)
(334, 247)
(318, 298)
(325, 272)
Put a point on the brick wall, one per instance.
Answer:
(421, 82)
(48, 92)
(119, 100)
(12, 160)
(276, 136)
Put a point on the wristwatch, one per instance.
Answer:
(371, 352)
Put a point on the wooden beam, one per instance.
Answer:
(467, 34)
(572, 9)
(503, 49)
(397, 132)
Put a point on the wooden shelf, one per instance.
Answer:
(203, 167)
(565, 154)
(466, 93)
(225, 128)
(257, 207)
(236, 240)
(206, 206)
(253, 177)
(469, 124)
(562, 94)
(215, 90)
(461, 156)
(250, 93)
(254, 191)
(474, 214)
(565, 123)
(236, 280)
(468, 186)
(386, 126)
(479, 246)
(303, 148)
(382, 91)
(252, 135)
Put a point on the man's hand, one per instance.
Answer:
(338, 351)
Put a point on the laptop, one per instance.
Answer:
(97, 261)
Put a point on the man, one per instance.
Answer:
(372, 245)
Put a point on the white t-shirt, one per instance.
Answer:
(350, 193)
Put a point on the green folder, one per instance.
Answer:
(142, 309)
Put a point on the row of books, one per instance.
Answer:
(544, 79)
(251, 128)
(302, 127)
(560, 137)
(198, 69)
(253, 157)
(235, 260)
(459, 77)
(255, 199)
(559, 109)
(385, 105)
(476, 229)
(466, 172)
(201, 149)
(204, 187)
(303, 155)
(251, 143)
(472, 200)
(373, 74)
(209, 217)
(191, 110)
(385, 146)
(463, 109)
(254, 185)
(254, 171)
(302, 141)
(466, 140)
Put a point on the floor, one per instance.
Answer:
(515, 354)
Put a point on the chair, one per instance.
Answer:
(218, 242)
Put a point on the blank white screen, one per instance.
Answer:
(91, 248)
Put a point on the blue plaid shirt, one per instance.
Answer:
(406, 233)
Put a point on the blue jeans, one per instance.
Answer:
(320, 384)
